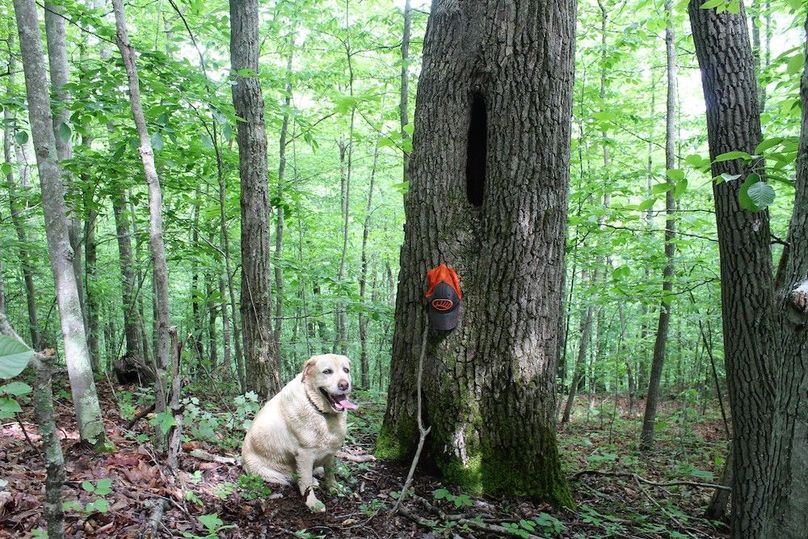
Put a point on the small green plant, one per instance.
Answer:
(253, 486)
(524, 528)
(458, 501)
(246, 407)
(192, 497)
(213, 525)
(9, 407)
(374, 506)
(39, 533)
(126, 404)
(100, 488)
(550, 524)
(303, 534)
(224, 489)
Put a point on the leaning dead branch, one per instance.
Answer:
(421, 430)
(158, 508)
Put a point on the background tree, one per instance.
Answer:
(261, 358)
(470, 207)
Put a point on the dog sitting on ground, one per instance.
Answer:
(302, 427)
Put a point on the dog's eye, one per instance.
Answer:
(328, 371)
(346, 369)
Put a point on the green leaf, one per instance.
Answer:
(709, 4)
(6, 168)
(16, 388)
(796, 63)
(163, 421)
(88, 486)
(646, 204)
(212, 522)
(743, 193)
(681, 187)
(762, 195)
(726, 177)
(103, 486)
(21, 137)
(768, 144)
(101, 505)
(730, 156)
(157, 142)
(14, 357)
(9, 407)
(661, 188)
(64, 132)
(675, 174)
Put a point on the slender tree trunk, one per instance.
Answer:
(92, 305)
(580, 361)
(261, 356)
(157, 247)
(14, 204)
(364, 361)
(717, 508)
(279, 225)
(491, 135)
(661, 342)
(404, 100)
(213, 348)
(85, 400)
(2, 291)
(59, 76)
(131, 315)
(226, 334)
(198, 317)
(733, 123)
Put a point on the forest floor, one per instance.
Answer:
(115, 494)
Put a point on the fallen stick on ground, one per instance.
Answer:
(158, 507)
(201, 454)
(355, 458)
(648, 482)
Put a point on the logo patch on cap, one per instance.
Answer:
(442, 304)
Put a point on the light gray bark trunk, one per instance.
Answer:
(85, 400)
(59, 76)
(661, 342)
(157, 247)
(132, 322)
(488, 195)
(260, 354)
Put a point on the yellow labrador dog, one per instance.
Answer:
(302, 427)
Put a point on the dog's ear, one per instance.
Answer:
(308, 367)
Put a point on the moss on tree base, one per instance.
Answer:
(396, 444)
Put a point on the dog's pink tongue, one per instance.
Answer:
(343, 402)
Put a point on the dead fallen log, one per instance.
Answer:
(158, 507)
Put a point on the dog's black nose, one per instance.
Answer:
(343, 385)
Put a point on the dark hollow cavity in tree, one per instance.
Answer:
(476, 151)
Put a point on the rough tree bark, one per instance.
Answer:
(489, 174)
(85, 400)
(156, 244)
(661, 342)
(262, 364)
(14, 205)
(789, 455)
(733, 123)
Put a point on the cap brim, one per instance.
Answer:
(444, 321)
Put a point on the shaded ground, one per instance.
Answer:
(114, 495)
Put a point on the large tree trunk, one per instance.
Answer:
(261, 356)
(85, 400)
(489, 174)
(789, 456)
(14, 205)
(733, 123)
(661, 342)
(157, 247)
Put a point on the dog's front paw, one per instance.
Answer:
(314, 505)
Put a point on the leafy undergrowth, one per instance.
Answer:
(114, 495)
